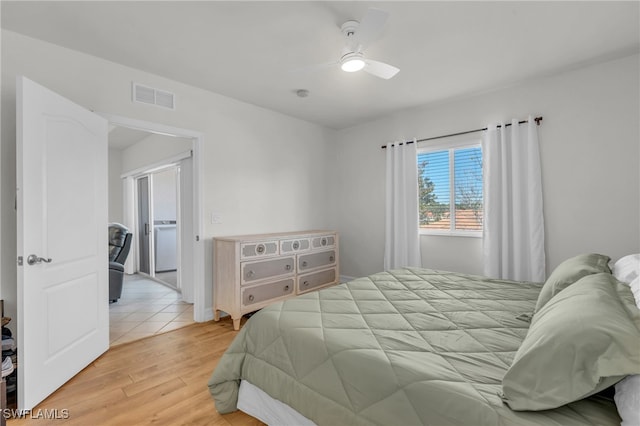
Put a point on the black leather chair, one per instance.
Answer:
(119, 245)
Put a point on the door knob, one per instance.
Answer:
(33, 259)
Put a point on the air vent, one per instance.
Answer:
(149, 95)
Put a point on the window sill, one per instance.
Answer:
(467, 234)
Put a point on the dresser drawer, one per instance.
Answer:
(316, 260)
(255, 249)
(316, 279)
(264, 292)
(294, 245)
(254, 271)
(323, 241)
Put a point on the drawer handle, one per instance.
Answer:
(287, 267)
(304, 263)
(306, 283)
(260, 248)
(286, 288)
(296, 245)
(331, 258)
(251, 298)
(250, 273)
(323, 241)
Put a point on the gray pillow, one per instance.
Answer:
(570, 271)
(581, 342)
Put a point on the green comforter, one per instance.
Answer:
(406, 347)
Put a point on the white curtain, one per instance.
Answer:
(513, 221)
(402, 239)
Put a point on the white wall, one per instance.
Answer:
(153, 149)
(264, 171)
(164, 195)
(115, 186)
(589, 142)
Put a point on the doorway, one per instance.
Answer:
(151, 301)
(189, 247)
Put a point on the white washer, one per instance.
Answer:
(166, 252)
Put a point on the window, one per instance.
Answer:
(450, 189)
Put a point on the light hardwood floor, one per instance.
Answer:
(159, 380)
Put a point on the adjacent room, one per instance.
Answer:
(147, 167)
(320, 212)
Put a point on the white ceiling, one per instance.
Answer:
(123, 137)
(247, 50)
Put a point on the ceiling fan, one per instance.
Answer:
(358, 36)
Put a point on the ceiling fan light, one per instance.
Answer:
(352, 64)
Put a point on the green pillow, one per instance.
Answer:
(570, 271)
(581, 342)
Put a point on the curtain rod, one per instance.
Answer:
(537, 120)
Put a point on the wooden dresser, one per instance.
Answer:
(252, 271)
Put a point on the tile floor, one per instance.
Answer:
(146, 308)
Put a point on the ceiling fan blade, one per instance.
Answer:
(370, 27)
(380, 69)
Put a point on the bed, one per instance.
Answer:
(419, 346)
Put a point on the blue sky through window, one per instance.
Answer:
(468, 171)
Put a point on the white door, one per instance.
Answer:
(63, 308)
